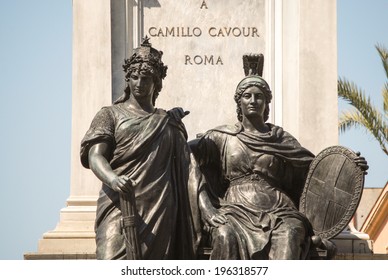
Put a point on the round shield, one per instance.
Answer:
(332, 191)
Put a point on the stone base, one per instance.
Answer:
(86, 256)
(316, 254)
(73, 237)
(353, 243)
(43, 256)
(341, 256)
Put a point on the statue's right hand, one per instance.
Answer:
(177, 113)
(121, 184)
(215, 219)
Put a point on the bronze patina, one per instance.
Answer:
(332, 191)
(141, 155)
(256, 172)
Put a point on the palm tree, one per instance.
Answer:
(365, 114)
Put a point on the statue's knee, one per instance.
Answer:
(223, 232)
(294, 231)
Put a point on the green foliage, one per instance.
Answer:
(365, 114)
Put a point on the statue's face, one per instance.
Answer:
(253, 102)
(142, 86)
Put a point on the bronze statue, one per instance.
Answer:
(255, 172)
(245, 183)
(140, 151)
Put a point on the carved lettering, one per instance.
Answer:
(197, 32)
(170, 31)
(227, 30)
(198, 59)
(254, 31)
(203, 60)
(220, 33)
(188, 60)
(219, 61)
(211, 31)
(160, 33)
(174, 32)
(151, 31)
(215, 32)
(233, 32)
(203, 4)
(236, 32)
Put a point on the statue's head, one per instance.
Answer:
(147, 61)
(253, 66)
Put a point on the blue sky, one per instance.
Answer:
(361, 25)
(35, 115)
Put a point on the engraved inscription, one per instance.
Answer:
(203, 60)
(197, 32)
(174, 32)
(233, 32)
(204, 5)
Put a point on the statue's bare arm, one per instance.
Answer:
(98, 155)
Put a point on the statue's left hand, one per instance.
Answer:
(361, 162)
(177, 113)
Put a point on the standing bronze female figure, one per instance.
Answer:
(132, 146)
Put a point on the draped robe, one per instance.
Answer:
(152, 150)
(255, 181)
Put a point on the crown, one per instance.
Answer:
(253, 67)
(253, 64)
(147, 54)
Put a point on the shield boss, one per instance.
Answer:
(332, 191)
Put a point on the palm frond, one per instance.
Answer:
(366, 115)
(354, 119)
(356, 97)
(350, 119)
(385, 99)
(383, 52)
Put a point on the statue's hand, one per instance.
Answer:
(316, 240)
(214, 219)
(122, 184)
(177, 113)
(361, 162)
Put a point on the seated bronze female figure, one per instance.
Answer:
(255, 172)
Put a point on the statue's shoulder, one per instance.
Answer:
(227, 129)
(103, 117)
(281, 134)
(109, 109)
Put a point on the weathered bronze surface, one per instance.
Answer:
(129, 228)
(256, 173)
(141, 155)
(332, 191)
(236, 189)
